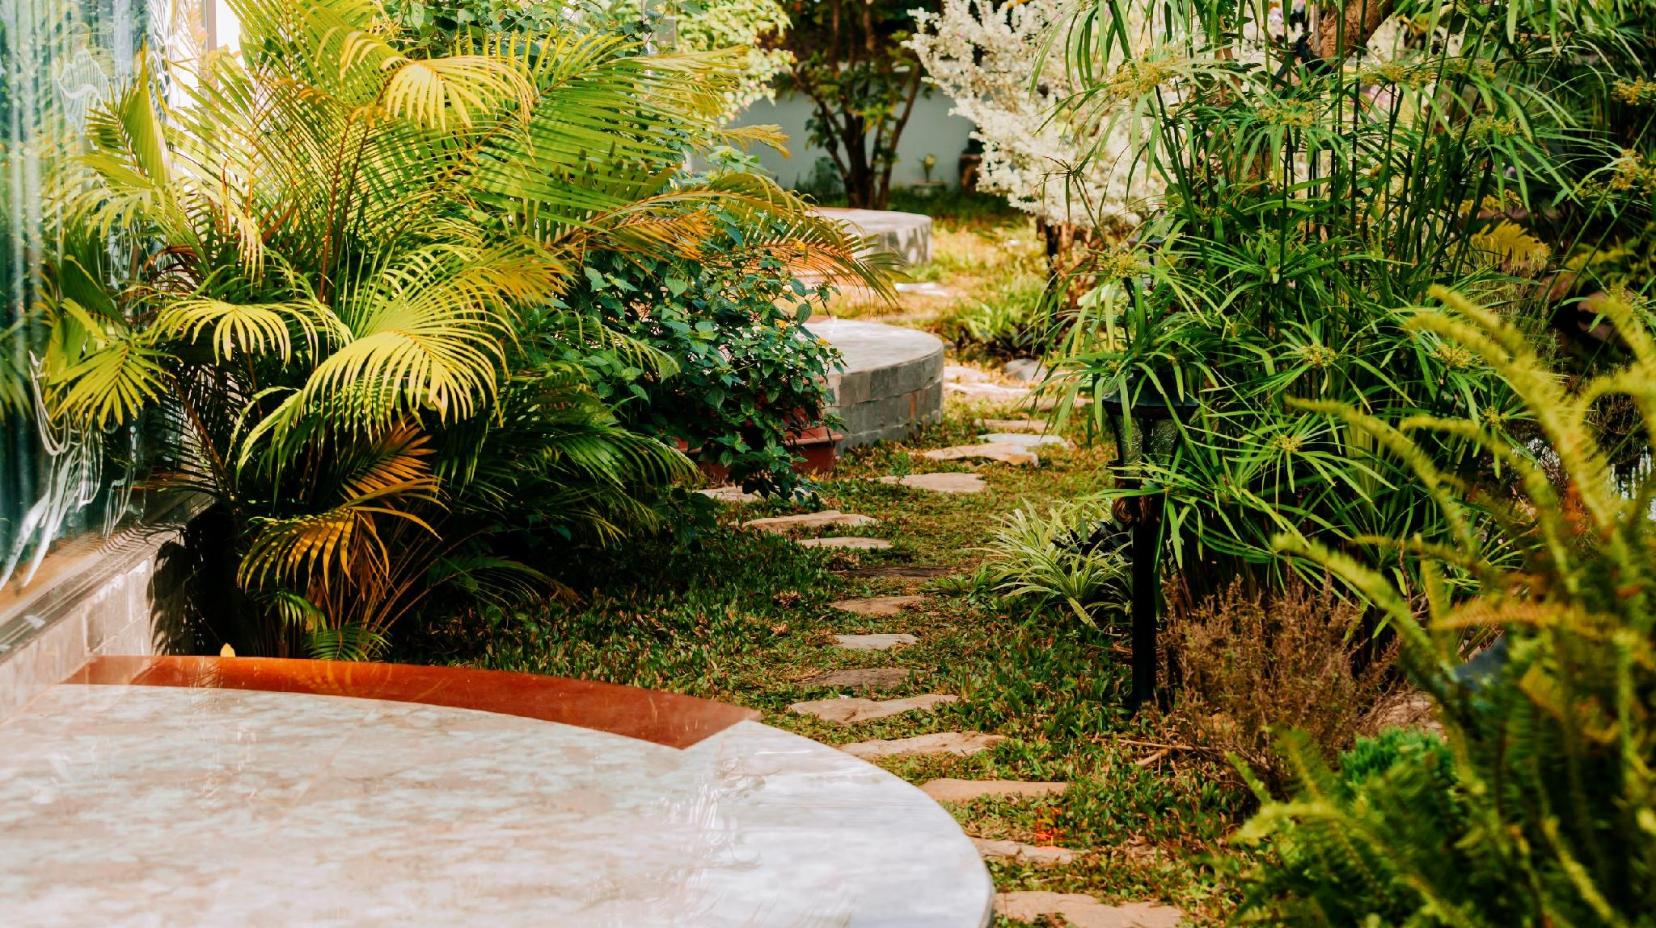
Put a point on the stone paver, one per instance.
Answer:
(731, 494)
(1025, 370)
(1012, 850)
(865, 678)
(856, 709)
(940, 483)
(960, 373)
(847, 543)
(881, 642)
(783, 525)
(959, 743)
(1082, 911)
(1028, 426)
(878, 607)
(948, 789)
(897, 572)
(1026, 441)
(1006, 454)
(987, 392)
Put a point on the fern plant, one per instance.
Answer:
(1545, 815)
(339, 253)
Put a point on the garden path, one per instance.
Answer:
(1027, 859)
(755, 618)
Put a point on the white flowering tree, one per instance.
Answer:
(1071, 168)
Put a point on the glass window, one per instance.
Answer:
(58, 59)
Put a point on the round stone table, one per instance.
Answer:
(249, 792)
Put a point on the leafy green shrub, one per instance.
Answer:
(1057, 559)
(741, 370)
(1250, 662)
(1552, 818)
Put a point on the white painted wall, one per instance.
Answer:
(930, 129)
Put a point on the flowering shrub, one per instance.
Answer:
(987, 56)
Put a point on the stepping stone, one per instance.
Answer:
(731, 494)
(1029, 426)
(878, 607)
(1012, 850)
(874, 642)
(895, 572)
(1025, 370)
(783, 525)
(988, 392)
(1081, 911)
(927, 288)
(846, 543)
(865, 678)
(948, 789)
(846, 711)
(958, 743)
(940, 483)
(1027, 442)
(960, 373)
(1006, 454)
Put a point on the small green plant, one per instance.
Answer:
(1546, 815)
(1057, 559)
(1012, 323)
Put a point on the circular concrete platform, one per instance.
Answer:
(245, 792)
(906, 235)
(892, 383)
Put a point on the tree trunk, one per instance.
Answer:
(1339, 35)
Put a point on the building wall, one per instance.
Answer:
(93, 597)
(931, 129)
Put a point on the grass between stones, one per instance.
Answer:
(744, 616)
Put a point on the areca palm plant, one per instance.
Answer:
(337, 259)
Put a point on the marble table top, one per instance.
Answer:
(194, 805)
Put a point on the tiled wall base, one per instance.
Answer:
(88, 599)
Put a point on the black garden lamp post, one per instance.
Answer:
(1143, 515)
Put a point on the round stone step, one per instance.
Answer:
(907, 236)
(891, 384)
